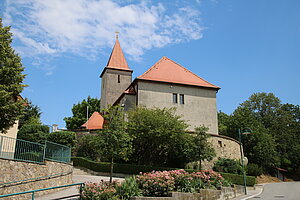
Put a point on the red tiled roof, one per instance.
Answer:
(94, 122)
(130, 90)
(166, 70)
(117, 59)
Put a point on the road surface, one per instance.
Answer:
(280, 191)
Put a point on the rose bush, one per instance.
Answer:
(156, 184)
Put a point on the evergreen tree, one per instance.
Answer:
(11, 79)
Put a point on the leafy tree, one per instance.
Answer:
(90, 146)
(31, 114)
(276, 127)
(34, 133)
(264, 106)
(202, 149)
(286, 130)
(116, 142)
(228, 165)
(67, 138)
(156, 134)
(80, 111)
(11, 79)
(223, 123)
(260, 148)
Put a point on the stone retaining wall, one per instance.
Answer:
(205, 194)
(11, 171)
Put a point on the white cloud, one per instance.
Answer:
(85, 27)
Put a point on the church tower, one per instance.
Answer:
(116, 76)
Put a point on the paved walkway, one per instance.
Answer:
(251, 192)
(75, 189)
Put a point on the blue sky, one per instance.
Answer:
(240, 45)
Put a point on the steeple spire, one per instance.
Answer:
(117, 35)
(117, 59)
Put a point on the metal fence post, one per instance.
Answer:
(1, 142)
(44, 153)
(32, 197)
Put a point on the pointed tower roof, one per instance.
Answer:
(166, 70)
(117, 59)
(94, 122)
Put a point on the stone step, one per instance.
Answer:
(77, 171)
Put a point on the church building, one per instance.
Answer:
(165, 84)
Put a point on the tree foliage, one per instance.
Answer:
(116, 141)
(276, 138)
(66, 138)
(157, 135)
(34, 133)
(11, 79)
(202, 149)
(80, 112)
(31, 114)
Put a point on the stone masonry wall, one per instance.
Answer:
(204, 194)
(225, 147)
(16, 171)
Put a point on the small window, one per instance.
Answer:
(181, 97)
(220, 143)
(118, 78)
(175, 98)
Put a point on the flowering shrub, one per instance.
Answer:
(163, 183)
(156, 183)
(99, 191)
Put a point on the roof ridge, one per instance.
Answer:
(190, 72)
(151, 68)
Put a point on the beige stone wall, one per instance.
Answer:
(225, 147)
(111, 89)
(203, 194)
(8, 142)
(198, 109)
(16, 171)
(12, 132)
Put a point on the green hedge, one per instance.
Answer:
(136, 169)
(239, 179)
(118, 168)
(234, 178)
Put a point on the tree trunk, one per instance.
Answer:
(200, 165)
(111, 169)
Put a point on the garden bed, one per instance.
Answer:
(164, 185)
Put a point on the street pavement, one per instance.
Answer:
(280, 191)
(251, 192)
(74, 190)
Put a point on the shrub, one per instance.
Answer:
(233, 178)
(228, 166)
(163, 183)
(87, 147)
(128, 189)
(67, 138)
(118, 168)
(34, 133)
(100, 191)
(154, 184)
(239, 179)
(254, 170)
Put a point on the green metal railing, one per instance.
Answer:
(57, 152)
(2, 184)
(16, 149)
(43, 189)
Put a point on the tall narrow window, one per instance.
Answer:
(175, 98)
(118, 78)
(181, 98)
